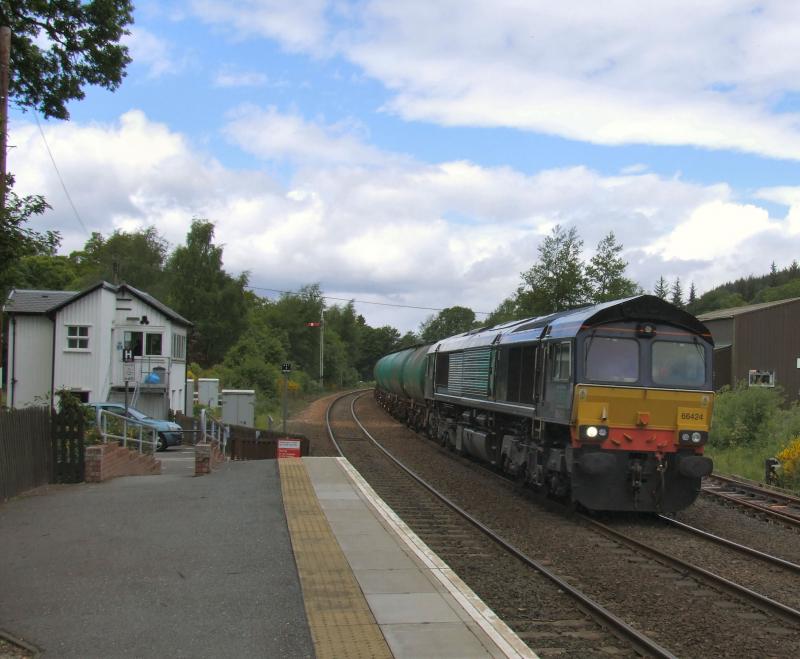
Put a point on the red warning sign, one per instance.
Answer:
(288, 448)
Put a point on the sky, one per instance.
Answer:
(416, 153)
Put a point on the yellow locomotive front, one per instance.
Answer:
(641, 414)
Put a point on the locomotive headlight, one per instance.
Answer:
(593, 433)
(692, 437)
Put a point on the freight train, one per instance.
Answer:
(608, 406)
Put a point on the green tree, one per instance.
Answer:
(48, 272)
(407, 340)
(375, 343)
(692, 302)
(448, 322)
(661, 289)
(557, 281)
(200, 290)
(59, 47)
(136, 258)
(676, 294)
(505, 312)
(292, 314)
(606, 272)
(17, 240)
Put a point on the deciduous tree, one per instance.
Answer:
(606, 272)
(557, 281)
(201, 291)
(59, 47)
(448, 322)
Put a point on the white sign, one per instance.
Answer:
(128, 371)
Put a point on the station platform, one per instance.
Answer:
(370, 586)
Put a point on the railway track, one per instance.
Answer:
(577, 629)
(776, 505)
(705, 616)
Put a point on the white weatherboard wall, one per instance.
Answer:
(86, 370)
(238, 407)
(29, 360)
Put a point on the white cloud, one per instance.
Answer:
(671, 72)
(273, 135)
(153, 52)
(299, 24)
(386, 228)
(228, 78)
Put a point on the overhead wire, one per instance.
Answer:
(347, 299)
(60, 178)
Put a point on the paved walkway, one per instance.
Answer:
(165, 566)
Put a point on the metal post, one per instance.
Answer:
(5, 56)
(321, 346)
(285, 401)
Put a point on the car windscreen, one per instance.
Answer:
(612, 359)
(679, 364)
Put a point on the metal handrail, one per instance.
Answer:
(214, 430)
(141, 430)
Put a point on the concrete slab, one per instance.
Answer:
(440, 640)
(422, 607)
(394, 581)
(394, 608)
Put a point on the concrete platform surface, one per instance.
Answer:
(422, 608)
(154, 566)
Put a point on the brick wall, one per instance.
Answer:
(107, 461)
(207, 456)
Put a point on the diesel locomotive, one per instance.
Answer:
(608, 406)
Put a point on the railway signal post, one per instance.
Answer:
(286, 368)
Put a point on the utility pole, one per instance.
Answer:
(321, 346)
(5, 57)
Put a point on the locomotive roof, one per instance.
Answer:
(567, 324)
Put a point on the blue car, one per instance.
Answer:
(169, 433)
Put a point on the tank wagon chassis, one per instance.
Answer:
(608, 405)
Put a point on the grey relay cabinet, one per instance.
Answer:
(238, 407)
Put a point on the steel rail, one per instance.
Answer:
(750, 551)
(760, 601)
(765, 508)
(640, 643)
(757, 488)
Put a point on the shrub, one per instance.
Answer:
(789, 458)
(747, 415)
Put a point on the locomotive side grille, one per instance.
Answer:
(469, 372)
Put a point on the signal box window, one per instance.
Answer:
(143, 343)
(679, 364)
(561, 360)
(612, 360)
(77, 337)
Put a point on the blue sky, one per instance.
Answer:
(418, 152)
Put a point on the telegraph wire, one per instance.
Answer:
(347, 299)
(58, 173)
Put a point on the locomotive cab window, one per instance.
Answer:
(611, 359)
(679, 364)
(561, 361)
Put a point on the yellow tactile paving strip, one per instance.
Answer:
(340, 619)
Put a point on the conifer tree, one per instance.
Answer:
(676, 296)
(661, 288)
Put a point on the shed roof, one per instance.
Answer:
(720, 314)
(27, 301)
(43, 302)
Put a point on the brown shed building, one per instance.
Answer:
(759, 344)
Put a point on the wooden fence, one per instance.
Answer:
(26, 454)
